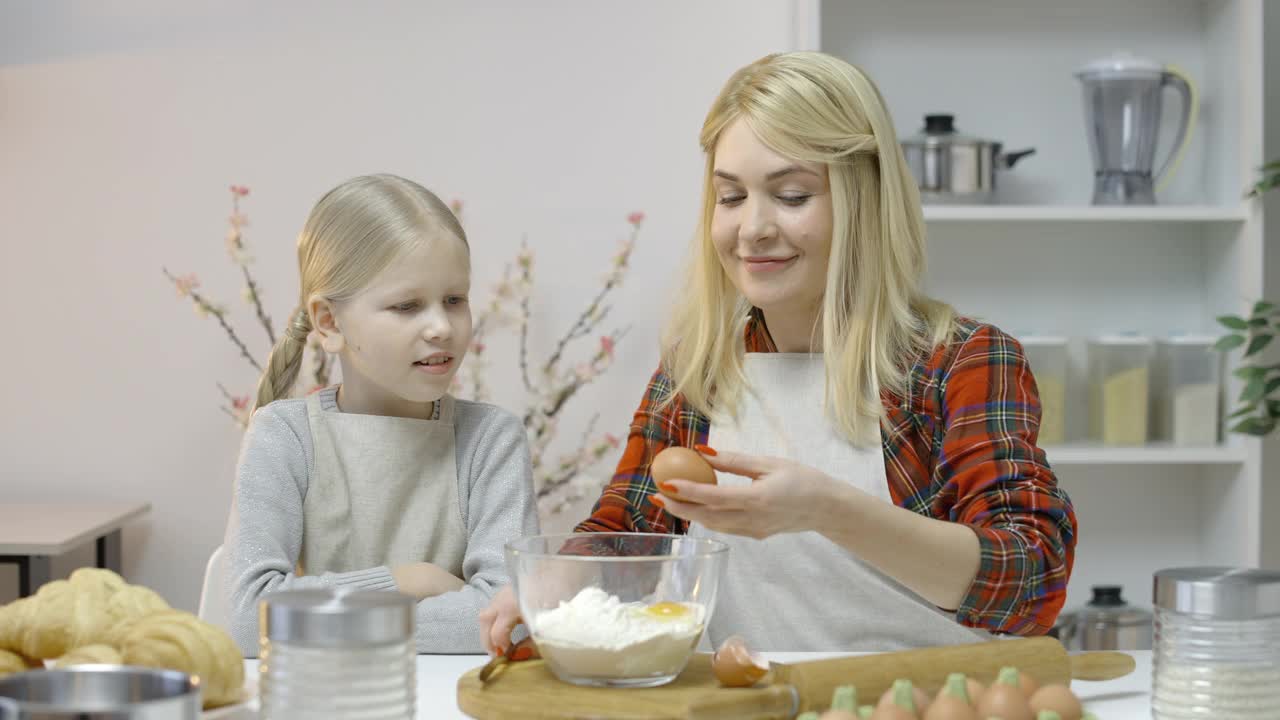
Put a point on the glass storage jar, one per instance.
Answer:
(1217, 644)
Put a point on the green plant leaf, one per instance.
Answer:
(1233, 322)
(1254, 426)
(1264, 185)
(1228, 342)
(1272, 385)
(1273, 408)
(1258, 322)
(1249, 372)
(1258, 342)
(1262, 307)
(1246, 410)
(1253, 392)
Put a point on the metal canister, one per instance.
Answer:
(100, 692)
(337, 654)
(1217, 644)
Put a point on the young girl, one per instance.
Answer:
(385, 481)
(880, 486)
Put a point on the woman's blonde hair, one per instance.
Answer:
(353, 233)
(875, 318)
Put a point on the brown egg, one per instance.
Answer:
(897, 694)
(974, 690)
(1059, 699)
(892, 711)
(681, 463)
(734, 665)
(1004, 699)
(952, 702)
(1027, 684)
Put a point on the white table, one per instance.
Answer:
(31, 535)
(1128, 698)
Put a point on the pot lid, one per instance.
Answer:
(1122, 63)
(940, 129)
(1108, 607)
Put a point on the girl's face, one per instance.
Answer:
(405, 335)
(772, 225)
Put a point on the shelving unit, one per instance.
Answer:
(1043, 260)
(1100, 456)
(1226, 214)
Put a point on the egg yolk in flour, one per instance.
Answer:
(666, 610)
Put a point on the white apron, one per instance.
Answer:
(384, 491)
(800, 591)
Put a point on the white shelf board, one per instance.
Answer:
(1087, 213)
(1083, 454)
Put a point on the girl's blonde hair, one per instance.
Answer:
(353, 233)
(875, 318)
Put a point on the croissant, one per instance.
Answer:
(94, 616)
(66, 614)
(45, 625)
(181, 641)
(11, 662)
(90, 655)
(97, 580)
(134, 601)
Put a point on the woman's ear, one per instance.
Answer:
(325, 323)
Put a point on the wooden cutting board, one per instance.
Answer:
(528, 690)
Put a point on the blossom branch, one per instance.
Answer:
(186, 286)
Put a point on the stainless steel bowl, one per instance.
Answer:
(102, 692)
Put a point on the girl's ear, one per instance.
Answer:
(325, 322)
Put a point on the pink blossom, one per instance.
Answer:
(456, 206)
(636, 218)
(186, 283)
(240, 190)
(240, 402)
(477, 347)
(612, 440)
(606, 345)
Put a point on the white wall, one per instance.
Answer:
(1271, 142)
(122, 124)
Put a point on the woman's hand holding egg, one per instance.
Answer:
(784, 496)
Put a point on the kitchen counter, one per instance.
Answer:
(1128, 698)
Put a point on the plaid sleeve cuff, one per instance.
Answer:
(1009, 594)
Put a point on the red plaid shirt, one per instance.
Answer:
(960, 447)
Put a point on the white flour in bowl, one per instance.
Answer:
(595, 635)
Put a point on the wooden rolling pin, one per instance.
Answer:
(798, 687)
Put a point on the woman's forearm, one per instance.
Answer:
(936, 559)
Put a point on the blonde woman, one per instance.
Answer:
(385, 481)
(879, 480)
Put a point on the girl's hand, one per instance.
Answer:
(496, 623)
(424, 580)
(784, 497)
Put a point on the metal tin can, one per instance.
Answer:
(334, 654)
(1217, 644)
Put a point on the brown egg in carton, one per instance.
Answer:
(96, 617)
(1013, 696)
